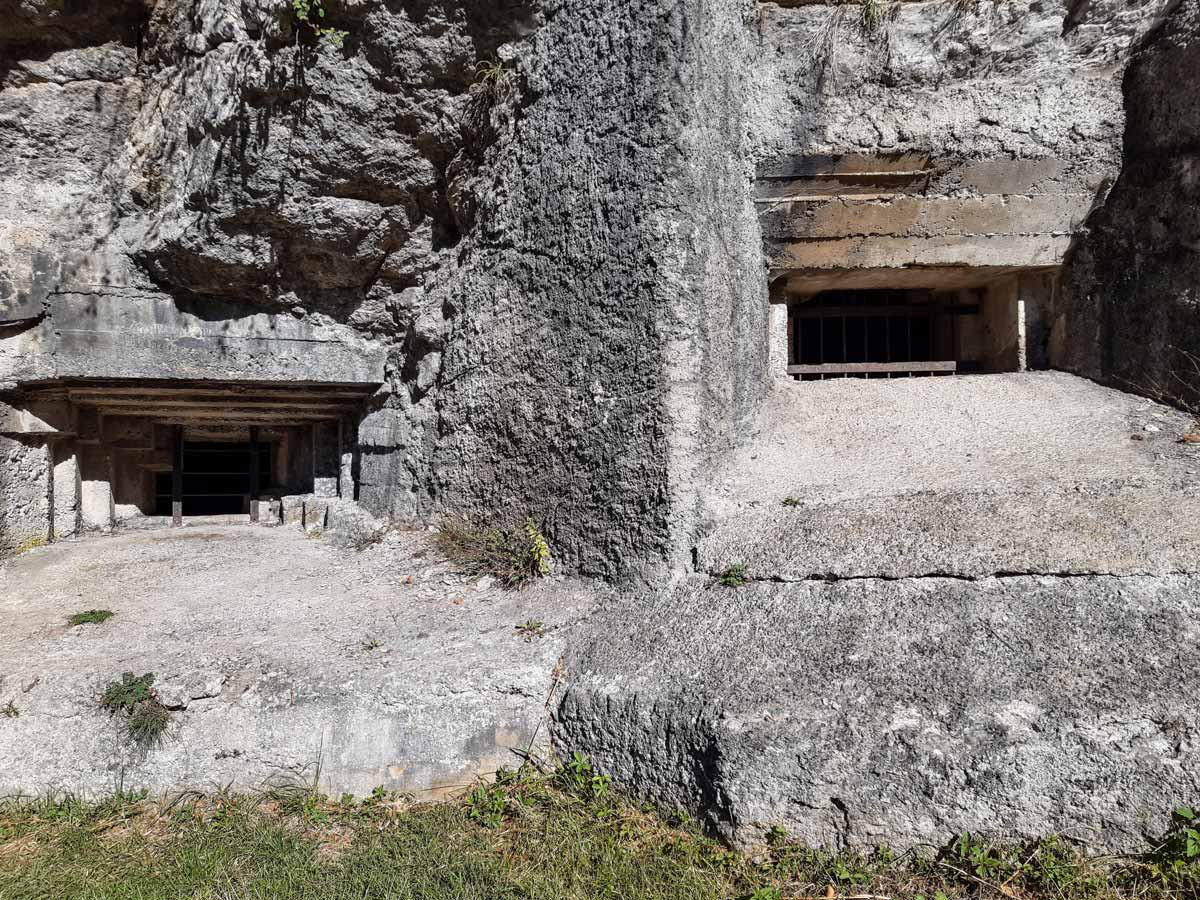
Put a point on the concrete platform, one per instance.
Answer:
(1038, 473)
(277, 653)
(900, 712)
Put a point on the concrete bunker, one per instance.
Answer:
(922, 323)
(904, 264)
(100, 452)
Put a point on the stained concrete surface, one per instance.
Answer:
(1036, 473)
(277, 651)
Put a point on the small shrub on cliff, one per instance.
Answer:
(309, 14)
(514, 554)
(734, 577)
(132, 698)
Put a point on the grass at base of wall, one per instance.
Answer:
(546, 836)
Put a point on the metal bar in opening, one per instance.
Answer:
(253, 474)
(933, 365)
(177, 477)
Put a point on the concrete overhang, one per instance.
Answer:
(182, 402)
(791, 283)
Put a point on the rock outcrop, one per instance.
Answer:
(1130, 309)
(900, 712)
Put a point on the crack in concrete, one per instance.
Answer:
(831, 578)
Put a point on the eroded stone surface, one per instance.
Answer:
(899, 712)
(278, 652)
(1035, 473)
(1129, 310)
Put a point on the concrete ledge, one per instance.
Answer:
(900, 712)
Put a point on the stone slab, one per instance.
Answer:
(900, 712)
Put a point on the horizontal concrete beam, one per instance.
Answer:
(46, 416)
(1009, 251)
(803, 282)
(926, 217)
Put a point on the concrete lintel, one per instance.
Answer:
(49, 416)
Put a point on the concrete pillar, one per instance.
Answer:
(95, 489)
(349, 435)
(326, 459)
(778, 339)
(66, 484)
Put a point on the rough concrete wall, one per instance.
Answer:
(1129, 313)
(991, 128)
(563, 277)
(24, 494)
(605, 330)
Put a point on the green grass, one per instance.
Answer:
(91, 617)
(562, 836)
(734, 577)
(132, 699)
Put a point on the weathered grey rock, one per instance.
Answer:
(1130, 310)
(348, 525)
(281, 657)
(1035, 473)
(557, 281)
(901, 712)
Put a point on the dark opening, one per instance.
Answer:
(216, 479)
(872, 334)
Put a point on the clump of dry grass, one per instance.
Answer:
(515, 554)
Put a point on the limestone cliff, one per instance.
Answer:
(1130, 310)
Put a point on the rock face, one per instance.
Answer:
(528, 258)
(898, 712)
(550, 271)
(1130, 309)
(972, 607)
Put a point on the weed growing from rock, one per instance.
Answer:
(10, 711)
(91, 617)
(133, 699)
(531, 630)
(734, 577)
(516, 555)
(310, 14)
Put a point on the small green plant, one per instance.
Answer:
(310, 14)
(792, 501)
(776, 835)
(134, 700)
(578, 777)
(874, 16)
(10, 711)
(531, 630)
(1175, 863)
(980, 858)
(487, 805)
(91, 617)
(515, 555)
(766, 893)
(734, 576)
(370, 644)
(494, 83)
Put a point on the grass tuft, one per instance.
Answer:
(734, 577)
(516, 555)
(133, 699)
(91, 617)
